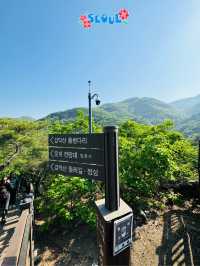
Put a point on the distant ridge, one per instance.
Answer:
(189, 106)
(191, 126)
(26, 118)
(145, 110)
(185, 113)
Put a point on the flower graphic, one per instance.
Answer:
(83, 18)
(86, 24)
(123, 13)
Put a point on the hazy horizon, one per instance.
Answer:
(86, 106)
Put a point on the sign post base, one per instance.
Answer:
(114, 234)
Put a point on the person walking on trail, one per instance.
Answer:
(5, 192)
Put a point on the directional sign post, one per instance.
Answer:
(112, 197)
(94, 141)
(90, 156)
(73, 169)
(112, 213)
(95, 156)
(77, 155)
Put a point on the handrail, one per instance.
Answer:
(20, 251)
(8, 161)
(25, 246)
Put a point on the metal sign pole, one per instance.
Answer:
(90, 113)
(114, 216)
(112, 197)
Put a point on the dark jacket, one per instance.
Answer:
(5, 189)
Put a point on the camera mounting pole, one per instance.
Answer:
(90, 98)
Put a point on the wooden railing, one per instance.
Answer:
(20, 251)
(9, 160)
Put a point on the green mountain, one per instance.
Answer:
(145, 110)
(190, 126)
(188, 106)
(185, 113)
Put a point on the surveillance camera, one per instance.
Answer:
(98, 102)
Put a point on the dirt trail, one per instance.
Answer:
(171, 239)
(72, 246)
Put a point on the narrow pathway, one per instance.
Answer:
(7, 232)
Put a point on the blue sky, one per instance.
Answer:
(47, 57)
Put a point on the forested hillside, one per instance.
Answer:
(184, 113)
(23, 146)
(149, 156)
(191, 126)
(190, 106)
(145, 110)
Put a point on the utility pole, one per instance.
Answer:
(90, 98)
(90, 107)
